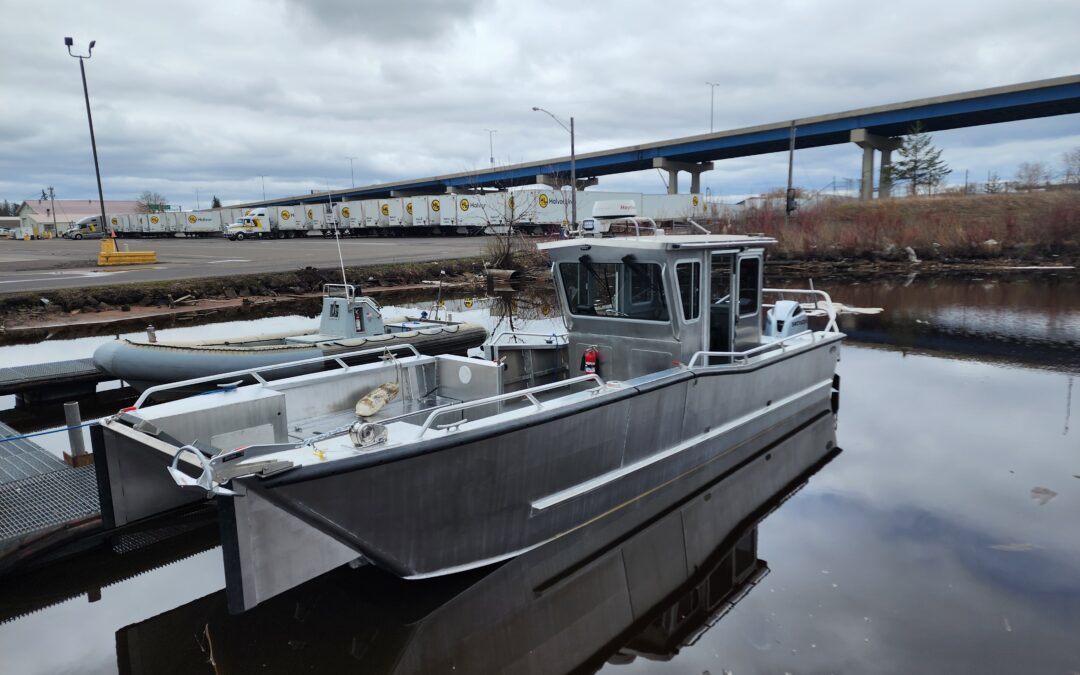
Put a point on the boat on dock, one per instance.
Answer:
(674, 371)
(348, 323)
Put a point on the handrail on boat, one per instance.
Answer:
(526, 393)
(830, 310)
(745, 355)
(254, 372)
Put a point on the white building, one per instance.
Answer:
(37, 218)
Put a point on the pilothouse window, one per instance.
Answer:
(628, 290)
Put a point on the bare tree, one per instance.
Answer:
(151, 202)
(1071, 164)
(1030, 175)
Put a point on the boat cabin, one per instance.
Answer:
(645, 304)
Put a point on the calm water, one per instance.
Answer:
(944, 537)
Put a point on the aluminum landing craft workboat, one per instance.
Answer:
(672, 372)
(348, 323)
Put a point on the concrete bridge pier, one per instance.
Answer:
(869, 143)
(673, 168)
(558, 181)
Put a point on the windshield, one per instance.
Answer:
(629, 290)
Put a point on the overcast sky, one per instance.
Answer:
(198, 96)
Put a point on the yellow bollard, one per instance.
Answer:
(108, 255)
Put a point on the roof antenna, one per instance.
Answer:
(337, 239)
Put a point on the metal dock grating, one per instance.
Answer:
(18, 378)
(24, 458)
(47, 501)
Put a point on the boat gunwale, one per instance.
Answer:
(410, 450)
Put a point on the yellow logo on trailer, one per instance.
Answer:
(695, 200)
(310, 215)
(510, 202)
(345, 211)
(408, 208)
(464, 204)
(543, 201)
(285, 215)
(192, 219)
(115, 220)
(385, 209)
(434, 204)
(468, 303)
(154, 220)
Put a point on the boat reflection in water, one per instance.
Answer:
(633, 586)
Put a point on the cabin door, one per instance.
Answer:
(721, 283)
(748, 316)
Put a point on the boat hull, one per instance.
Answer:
(529, 481)
(145, 364)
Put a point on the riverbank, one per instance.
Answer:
(143, 300)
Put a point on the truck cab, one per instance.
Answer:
(86, 228)
(254, 223)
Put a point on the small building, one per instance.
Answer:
(37, 219)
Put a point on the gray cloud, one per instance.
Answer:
(184, 98)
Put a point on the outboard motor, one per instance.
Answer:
(785, 319)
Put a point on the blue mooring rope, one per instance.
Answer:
(42, 433)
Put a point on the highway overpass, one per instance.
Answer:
(874, 129)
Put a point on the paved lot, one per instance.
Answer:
(60, 263)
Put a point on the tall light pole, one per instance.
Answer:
(573, 165)
(712, 103)
(89, 118)
(263, 179)
(491, 145)
(352, 176)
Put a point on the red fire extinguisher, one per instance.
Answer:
(589, 360)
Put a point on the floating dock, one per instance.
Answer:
(51, 382)
(41, 498)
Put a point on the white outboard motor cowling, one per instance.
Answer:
(785, 319)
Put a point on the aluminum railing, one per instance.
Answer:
(830, 310)
(529, 394)
(254, 373)
(781, 344)
(744, 356)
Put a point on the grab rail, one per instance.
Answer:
(830, 327)
(744, 356)
(254, 372)
(526, 393)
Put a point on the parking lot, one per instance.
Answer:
(62, 263)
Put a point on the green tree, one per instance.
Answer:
(215, 203)
(920, 164)
(993, 184)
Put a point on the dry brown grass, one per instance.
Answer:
(1032, 224)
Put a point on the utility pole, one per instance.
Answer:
(352, 175)
(197, 205)
(491, 146)
(712, 103)
(263, 186)
(52, 205)
(90, 119)
(790, 205)
(573, 164)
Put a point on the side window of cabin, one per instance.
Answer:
(720, 283)
(688, 275)
(618, 290)
(749, 276)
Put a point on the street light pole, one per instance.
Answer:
(491, 145)
(352, 175)
(712, 103)
(263, 179)
(90, 119)
(573, 164)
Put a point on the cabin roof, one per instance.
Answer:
(665, 242)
